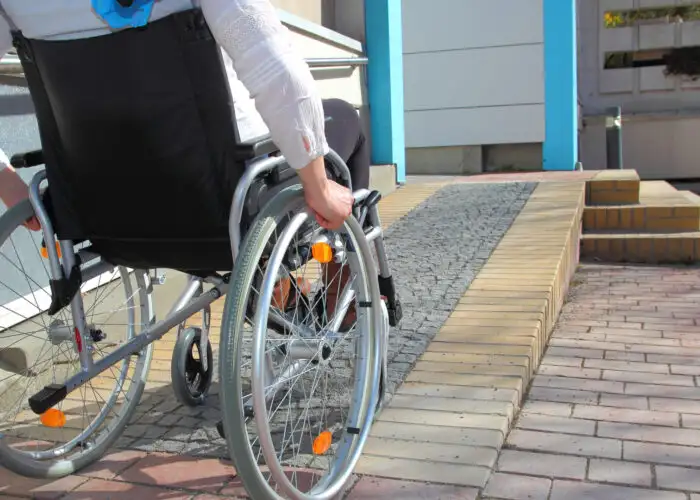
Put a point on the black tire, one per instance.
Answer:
(191, 384)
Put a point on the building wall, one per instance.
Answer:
(661, 115)
(311, 10)
(470, 81)
(349, 18)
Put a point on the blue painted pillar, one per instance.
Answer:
(384, 46)
(560, 148)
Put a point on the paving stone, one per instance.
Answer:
(462, 392)
(562, 395)
(609, 414)
(515, 487)
(418, 470)
(548, 408)
(676, 405)
(568, 490)
(622, 401)
(692, 421)
(112, 464)
(608, 364)
(579, 384)
(452, 405)
(617, 471)
(181, 472)
(12, 484)
(117, 490)
(446, 419)
(649, 433)
(548, 423)
(648, 378)
(434, 452)
(542, 464)
(661, 453)
(678, 478)
(370, 488)
(565, 443)
(430, 434)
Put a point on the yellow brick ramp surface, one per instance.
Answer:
(449, 419)
(391, 208)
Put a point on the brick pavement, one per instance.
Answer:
(451, 416)
(475, 373)
(614, 410)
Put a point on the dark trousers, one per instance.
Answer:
(345, 136)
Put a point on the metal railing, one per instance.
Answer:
(10, 63)
(334, 62)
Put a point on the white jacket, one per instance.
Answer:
(271, 84)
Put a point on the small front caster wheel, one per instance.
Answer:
(191, 382)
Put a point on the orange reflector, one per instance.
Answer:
(322, 443)
(53, 418)
(322, 252)
(45, 251)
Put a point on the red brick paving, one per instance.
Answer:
(369, 488)
(179, 472)
(614, 411)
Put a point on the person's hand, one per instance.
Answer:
(330, 202)
(32, 224)
(331, 205)
(13, 190)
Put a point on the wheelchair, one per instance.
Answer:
(132, 184)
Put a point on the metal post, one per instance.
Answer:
(613, 137)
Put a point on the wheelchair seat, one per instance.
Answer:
(140, 143)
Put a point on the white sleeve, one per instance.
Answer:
(277, 77)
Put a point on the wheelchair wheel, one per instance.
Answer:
(37, 350)
(298, 406)
(191, 378)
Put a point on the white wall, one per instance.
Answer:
(637, 90)
(473, 72)
(661, 115)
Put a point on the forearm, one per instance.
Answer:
(313, 177)
(12, 188)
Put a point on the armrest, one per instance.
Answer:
(255, 148)
(27, 160)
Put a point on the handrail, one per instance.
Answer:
(11, 62)
(334, 62)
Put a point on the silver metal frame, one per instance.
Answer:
(193, 298)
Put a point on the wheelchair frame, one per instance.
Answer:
(66, 273)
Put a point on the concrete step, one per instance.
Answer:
(642, 218)
(642, 248)
(661, 209)
(613, 187)
(691, 196)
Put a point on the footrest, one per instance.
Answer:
(47, 398)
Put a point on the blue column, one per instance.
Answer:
(560, 148)
(384, 46)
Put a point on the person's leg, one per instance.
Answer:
(345, 136)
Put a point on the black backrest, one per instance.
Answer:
(138, 132)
